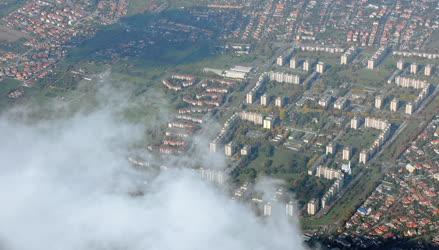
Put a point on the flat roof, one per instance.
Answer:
(242, 69)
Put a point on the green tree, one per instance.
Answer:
(282, 115)
(269, 150)
(268, 163)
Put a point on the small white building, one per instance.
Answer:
(245, 150)
(213, 147)
(289, 209)
(267, 209)
(268, 123)
(279, 102)
(330, 149)
(378, 102)
(371, 64)
(293, 63)
(249, 98)
(306, 65)
(409, 108)
(413, 68)
(320, 68)
(229, 149)
(355, 122)
(364, 157)
(312, 207)
(400, 65)
(280, 61)
(428, 70)
(347, 153)
(264, 100)
(340, 103)
(394, 104)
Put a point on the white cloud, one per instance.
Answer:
(65, 184)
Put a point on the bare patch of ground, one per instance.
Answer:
(10, 35)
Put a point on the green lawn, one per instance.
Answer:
(368, 78)
(360, 138)
(327, 58)
(284, 89)
(5, 86)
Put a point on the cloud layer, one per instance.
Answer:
(65, 184)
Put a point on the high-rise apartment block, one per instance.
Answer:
(312, 207)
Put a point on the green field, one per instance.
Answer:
(286, 165)
(360, 138)
(271, 160)
(327, 58)
(138, 6)
(7, 85)
(285, 90)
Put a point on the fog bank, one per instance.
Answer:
(65, 184)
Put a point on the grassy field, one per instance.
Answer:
(139, 6)
(7, 85)
(367, 78)
(286, 165)
(188, 3)
(285, 90)
(327, 58)
(111, 42)
(359, 139)
(280, 157)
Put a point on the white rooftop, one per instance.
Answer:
(242, 69)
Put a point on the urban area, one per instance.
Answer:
(338, 99)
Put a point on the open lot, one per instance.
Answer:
(359, 139)
(9, 35)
